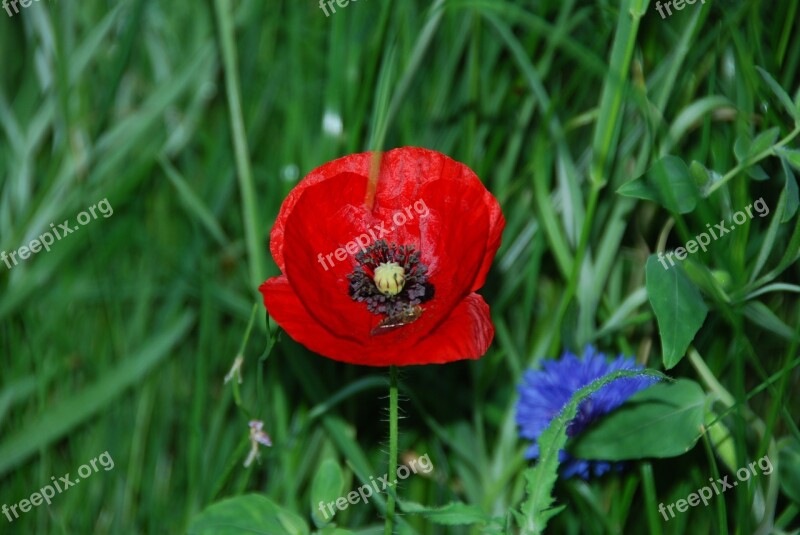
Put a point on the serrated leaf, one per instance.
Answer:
(668, 182)
(779, 92)
(328, 485)
(250, 513)
(665, 420)
(679, 307)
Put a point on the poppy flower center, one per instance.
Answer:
(392, 281)
(390, 278)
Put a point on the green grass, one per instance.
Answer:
(196, 119)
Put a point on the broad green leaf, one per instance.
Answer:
(679, 307)
(327, 486)
(452, 514)
(668, 182)
(250, 513)
(664, 420)
(538, 508)
(779, 92)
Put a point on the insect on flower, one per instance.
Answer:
(405, 317)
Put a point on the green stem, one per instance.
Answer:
(747, 162)
(237, 396)
(236, 118)
(390, 500)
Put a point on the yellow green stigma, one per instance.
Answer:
(390, 278)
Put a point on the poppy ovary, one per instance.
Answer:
(390, 278)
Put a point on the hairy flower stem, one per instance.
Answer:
(390, 501)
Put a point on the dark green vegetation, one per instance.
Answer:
(195, 119)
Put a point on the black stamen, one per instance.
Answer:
(362, 288)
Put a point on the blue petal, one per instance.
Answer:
(545, 392)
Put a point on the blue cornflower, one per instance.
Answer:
(543, 393)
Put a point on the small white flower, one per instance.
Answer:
(257, 436)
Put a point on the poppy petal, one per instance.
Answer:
(403, 171)
(466, 334)
(453, 253)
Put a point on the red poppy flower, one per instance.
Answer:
(392, 283)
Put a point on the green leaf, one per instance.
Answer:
(333, 530)
(250, 513)
(779, 92)
(538, 508)
(703, 177)
(789, 468)
(767, 246)
(712, 284)
(756, 172)
(679, 307)
(761, 315)
(764, 141)
(745, 150)
(791, 155)
(665, 420)
(452, 514)
(791, 192)
(328, 485)
(668, 182)
(741, 148)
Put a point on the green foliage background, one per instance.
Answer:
(195, 119)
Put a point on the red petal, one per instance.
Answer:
(403, 172)
(466, 334)
(451, 238)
